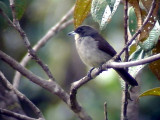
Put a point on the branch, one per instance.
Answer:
(63, 23)
(139, 30)
(76, 85)
(21, 96)
(16, 115)
(12, 5)
(105, 111)
(132, 63)
(27, 42)
(6, 17)
(125, 91)
(49, 85)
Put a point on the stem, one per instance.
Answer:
(140, 29)
(125, 92)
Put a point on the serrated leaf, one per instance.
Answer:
(132, 21)
(152, 40)
(147, 47)
(155, 66)
(145, 50)
(151, 92)
(81, 11)
(98, 8)
(152, 20)
(103, 10)
(20, 6)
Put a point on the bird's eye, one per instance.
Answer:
(79, 30)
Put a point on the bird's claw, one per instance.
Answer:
(89, 72)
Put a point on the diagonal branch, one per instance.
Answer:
(21, 96)
(76, 85)
(16, 115)
(139, 30)
(63, 23)
(27, 42)
(49, 85)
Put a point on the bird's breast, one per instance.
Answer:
(88, 51)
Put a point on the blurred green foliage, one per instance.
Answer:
(60, 55)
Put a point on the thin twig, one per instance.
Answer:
(6, 17)
(12, 5)
(125, 94)
(63, 23)
(105, 111)
(16, 115)
(125, 103)
(49, 85)
(21, 96)
(139, 30)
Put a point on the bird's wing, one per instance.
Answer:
(105, 46)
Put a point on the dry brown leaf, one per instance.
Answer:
(155, 66)
(81, 11)
(152, 20)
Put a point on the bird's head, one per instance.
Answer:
(83, 31)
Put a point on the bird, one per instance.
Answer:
(94, 50)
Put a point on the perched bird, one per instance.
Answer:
(94, 50)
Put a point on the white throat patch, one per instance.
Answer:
(76, 36)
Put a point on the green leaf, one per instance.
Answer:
(103, 10)
(3, 6)
(154, 66)
(152, 40)
(145, 50)
(132, 20)
(158, 15)
(98, 9)
(151, 92)
(20, 6)
(3, 22)
(137, 55)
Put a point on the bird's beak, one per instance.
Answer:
(72, 33)
(76, 35)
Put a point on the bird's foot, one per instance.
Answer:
(89, 72)
(100, 68)
(129, 96)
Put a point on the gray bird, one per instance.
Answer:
(94, 50)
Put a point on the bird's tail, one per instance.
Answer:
(126, 76)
